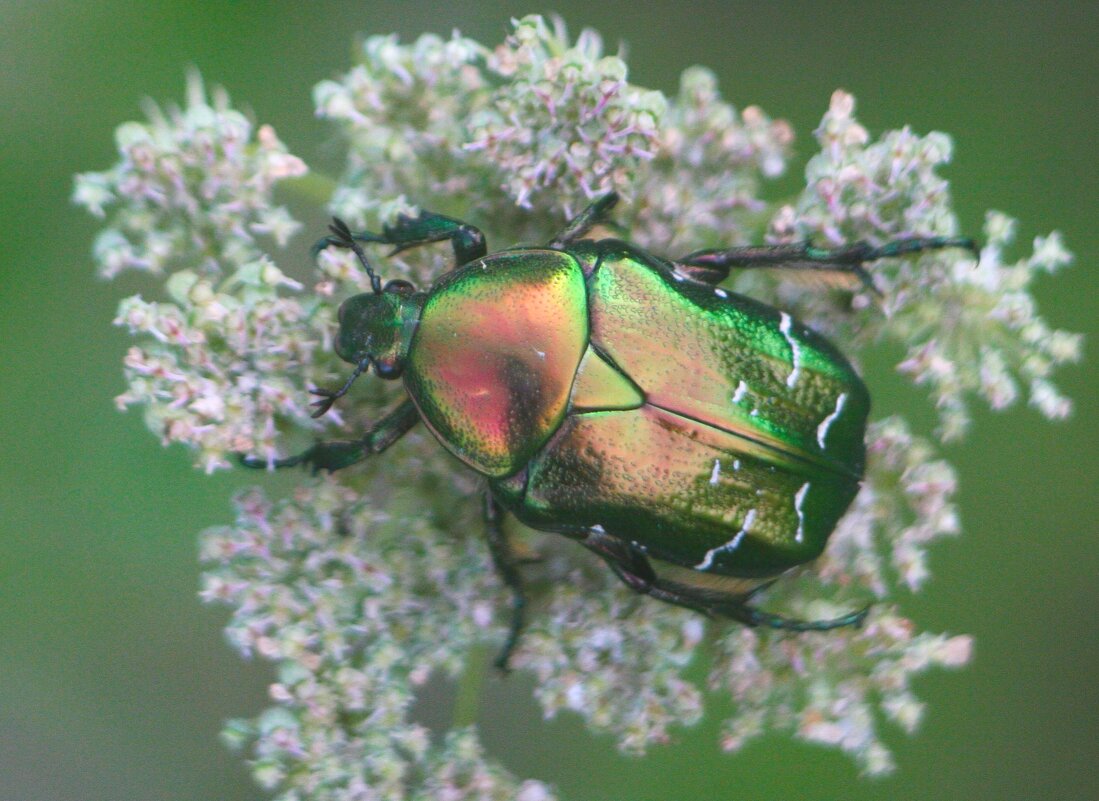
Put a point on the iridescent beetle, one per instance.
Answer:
(700, 442)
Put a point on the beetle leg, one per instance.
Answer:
(713, 266)
(339, 240)
(329, 396)
(409, 232)
(636, 572)
(627, 561)
(426, 227)
(633, 567)
(335, 454)
(750, 616)
(595, 214)
(504, 561)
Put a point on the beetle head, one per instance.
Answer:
(378, 327)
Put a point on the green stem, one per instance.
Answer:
(468, 698)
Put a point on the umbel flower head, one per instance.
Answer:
(364, 585)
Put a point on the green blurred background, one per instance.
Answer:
(114, 680)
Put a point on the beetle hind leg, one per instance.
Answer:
(504, 561)
(714, 266)
(750, 616)
(634, 569)
(636, 572)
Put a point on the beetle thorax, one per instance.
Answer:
(495, 355)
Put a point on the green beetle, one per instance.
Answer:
(698, 441)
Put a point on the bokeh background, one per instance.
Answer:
(114, 680)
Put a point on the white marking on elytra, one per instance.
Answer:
(598, 529)
(784, 327)
(541, 354)
(731, 545)
(826, 423)
(741, 391)
(799, 499)
(715, 474)
(705, 563)
(721, 293)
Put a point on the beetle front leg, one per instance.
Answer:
(337, 454)
(504, 561)
(409, 232)
(713, 266)
(595, 214)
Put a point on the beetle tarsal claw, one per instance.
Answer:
(343, 237)
(341, 231)
(252, 462)
(330, 396)
(327, 399)
(256, 463)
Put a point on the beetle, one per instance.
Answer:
(698, 441)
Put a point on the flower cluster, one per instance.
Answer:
(221, 365)
(905, 503)
(710, 160)
(402, 110)
(888, 189)
(996, 340)
(358, 607)
(192, 189)
(532, 129)
(225, 360)
(566, 121)
(829, 690)
(364, 585)
(624, 678)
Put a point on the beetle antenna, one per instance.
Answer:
(342, 237)
(329, 397)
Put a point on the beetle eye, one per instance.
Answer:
(398, 286)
